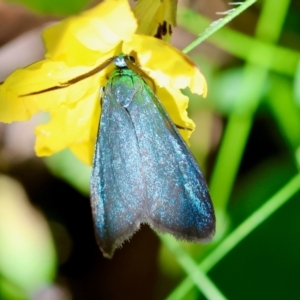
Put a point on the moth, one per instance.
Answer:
(143, 171)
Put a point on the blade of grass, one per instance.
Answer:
(247, 100)
(242, 231)
(238, 44)
(285, 111)
(199, 278)
(215, 26)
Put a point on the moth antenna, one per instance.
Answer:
(73, 80)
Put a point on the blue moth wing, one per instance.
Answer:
(143, 170)
(178, 201)
(118, 191)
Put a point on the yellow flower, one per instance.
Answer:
(76, 46)
(156, 17)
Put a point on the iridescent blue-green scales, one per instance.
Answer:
(143, 170)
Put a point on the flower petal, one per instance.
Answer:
(156, 17)
(166, 65)
(84, 151)
(79, 40)
(14, 108)
(176, 104)
(71, 127)
(42, 75)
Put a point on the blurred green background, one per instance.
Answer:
(247, 143)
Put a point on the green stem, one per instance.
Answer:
(242, 231)
(198, 277)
